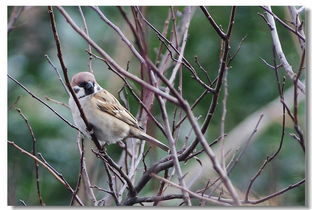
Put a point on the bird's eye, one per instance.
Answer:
(82, 84)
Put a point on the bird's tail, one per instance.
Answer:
(141, 135)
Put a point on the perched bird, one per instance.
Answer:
(111, 122)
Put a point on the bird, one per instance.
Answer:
(111, 122)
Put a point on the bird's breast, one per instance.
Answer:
(106, 128)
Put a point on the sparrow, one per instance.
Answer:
(110, 121)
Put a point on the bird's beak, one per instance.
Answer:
(89, 88)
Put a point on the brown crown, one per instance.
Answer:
(82, 77)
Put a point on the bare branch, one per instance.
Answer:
(87, 32)
(56, 175)
(173, 150)
(185, 62)
(119, 32)
(103, 155)
(297, 127)
(268, 10)
(34, 154)
(292, 186)
(237, 159)
(295, 18)
(57, 72)
(67, 82)
(279, 50)
(56, 102)
(190, 192)
(44, 103)
(213, 23)
(83, 173)
(111, 61)
(269, 158)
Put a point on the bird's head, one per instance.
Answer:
(84, 84)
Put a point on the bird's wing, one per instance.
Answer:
(106, 102)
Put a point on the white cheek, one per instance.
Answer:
(97, 88)
(80, 93)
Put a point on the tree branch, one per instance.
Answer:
(279, 50)
(60, 179)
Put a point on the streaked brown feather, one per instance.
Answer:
(106, 102)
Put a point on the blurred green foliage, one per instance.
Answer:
(251, 85)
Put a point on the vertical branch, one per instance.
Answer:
(124, 15)
(34, 154)
(87, 32)
(270, 158)
(279, 50)
(198, 132)
(110, 184)
(184, 40)
(164, 33)
(224, 110)
(83, 174)
(295, 19)
(297, 127)
(65, 73)
(57, 72)
(174, 151)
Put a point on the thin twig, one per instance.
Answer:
(110, 184)
(203, 70)
(294, 13)
(173, 150)
(161, 187)
(213, 23)
(57, 102)
(269, 65)
(85, 26)
(83, 173)
(67, 82)
(292, 186)
(119, 32)
(34, 140)
(190, 192)
(124, 15)
(296, 123)
(269, 158)
(269, 11)
(279, 50)
(164, 33)
(57, 72)
(103, 155)
(237, 50)
(52, 171)
(184, 40)
(44, 103)
(111, 61)
(237, 159)
(186, 63)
